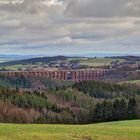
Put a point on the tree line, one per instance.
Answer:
(119, 109)
(99, 89)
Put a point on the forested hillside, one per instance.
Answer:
(66, 102)
(15, 82)
(35, 83)
(99, 89)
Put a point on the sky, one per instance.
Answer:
(66, 27)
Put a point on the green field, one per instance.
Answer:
(100, 61)
(124, 130)
(20, 66)
(14, 67)
(131, 82)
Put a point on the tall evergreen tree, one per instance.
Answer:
(116, 110)
(123, 109)
(132, 108)
(107, 111)
(98, 113)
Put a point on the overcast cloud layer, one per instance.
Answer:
(61, 27)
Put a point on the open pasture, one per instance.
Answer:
(124, 130)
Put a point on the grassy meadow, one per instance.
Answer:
(100, 61)
(137, 82)
(20, 66)
(123, 130)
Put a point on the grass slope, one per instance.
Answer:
(131, 82)
(124, 130)
(100, 61)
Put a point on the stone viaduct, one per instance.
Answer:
(73, 75)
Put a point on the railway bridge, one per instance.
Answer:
(73, 75)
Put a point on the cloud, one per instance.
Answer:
(103, 8)
(69, 26)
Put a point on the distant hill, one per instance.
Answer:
(6, 58)
(34, 60)
(23, 60)
(128, 58)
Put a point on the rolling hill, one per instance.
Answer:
(34, 60)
